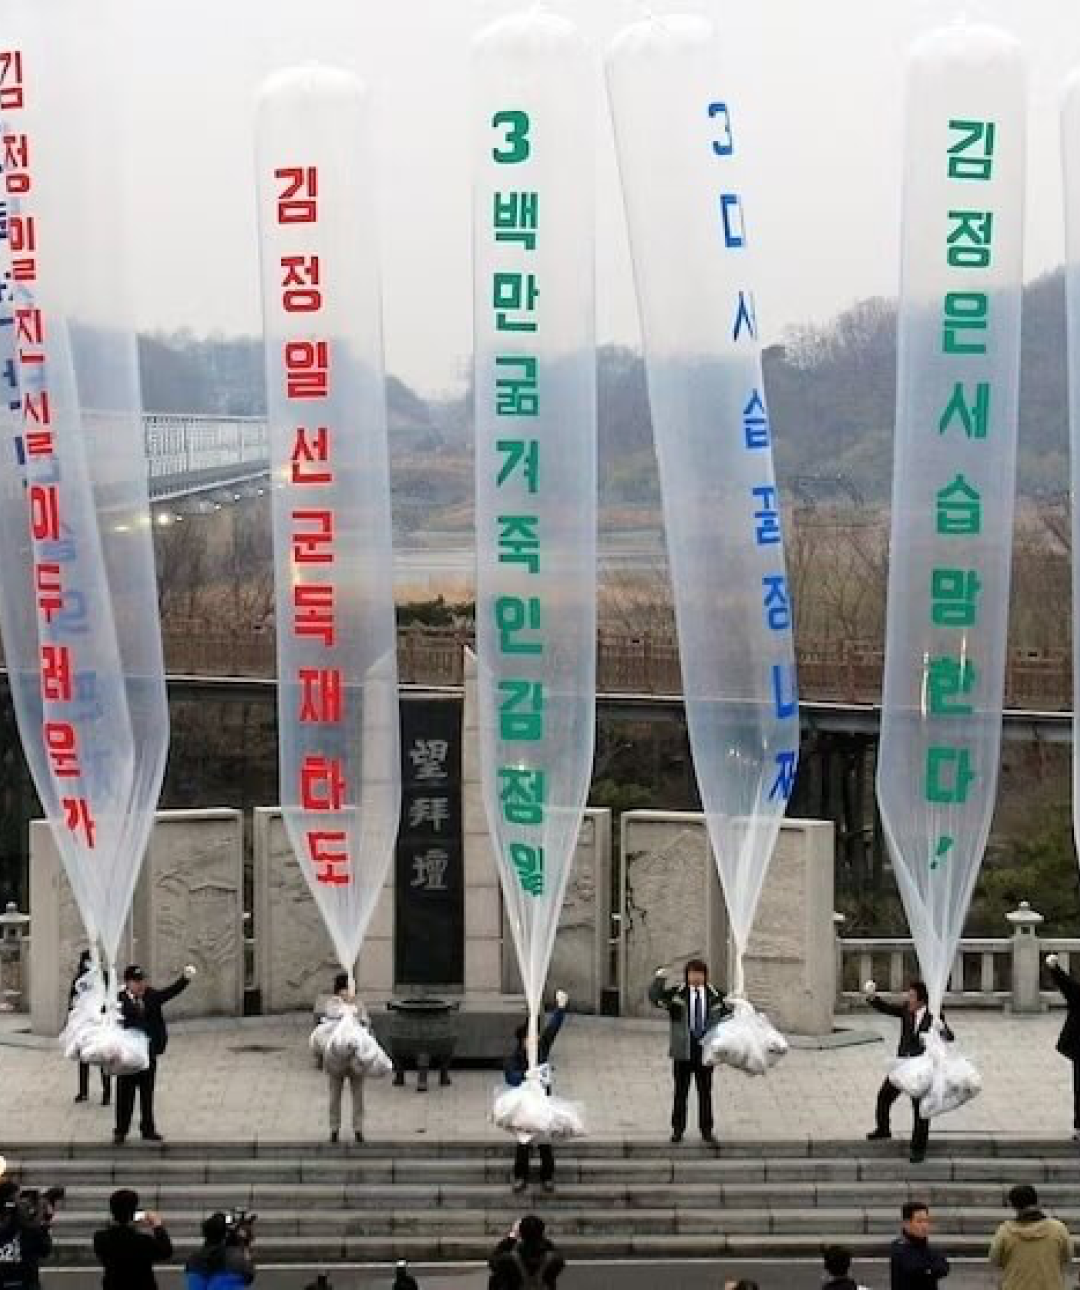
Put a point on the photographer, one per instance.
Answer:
(24, 1237)
(130, 1246)
(224, 1262)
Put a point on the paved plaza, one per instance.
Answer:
(238, 1081)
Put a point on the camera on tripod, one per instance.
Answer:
(239, 1226)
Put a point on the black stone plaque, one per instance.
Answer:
(429, 924)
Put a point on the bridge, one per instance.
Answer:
(192, 455)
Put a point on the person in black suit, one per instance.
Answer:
(84, 1069)
(515, 1068)
(126, 1253)
(916, 1020)
(141, 1009)
(694, 1007)
(1068, 1044)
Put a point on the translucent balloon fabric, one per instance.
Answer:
(535, 395)
(78, 596)
(1070, 158)
(333, 560)
(954, 476)
(689, 236)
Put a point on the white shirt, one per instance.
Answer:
(919, 1018)
(697, 1000)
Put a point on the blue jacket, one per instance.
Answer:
(517, 1063)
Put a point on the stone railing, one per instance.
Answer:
(994, 972)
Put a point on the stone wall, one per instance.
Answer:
(579, 959)
(188, 908)
(295, 961)
(673, 910)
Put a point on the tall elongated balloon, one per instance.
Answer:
(680, 153)
(535, 391)
(333, 557)
(78, 599)
(954, 476)
(1070, 160)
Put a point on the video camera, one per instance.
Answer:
(39, 1207)
(239, 1226)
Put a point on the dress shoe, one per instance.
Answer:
(81, 1098)
(119, 1138)
(676, 1137)
(879, 1135)
(709, 1137)
(519, 1186)
(106, 1100)
(548, 1185)
(152, 1136)
(333, 1135)
(359, 1138)
(917, 1157)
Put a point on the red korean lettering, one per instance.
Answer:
(61, 747)
(56, 673)
(322, 783)
(320, 695)
(37, 410)
(12, 90)
(307, 369)
(326, 850)
(39, 443)
(22, 233)
(311, 448)
(50, 596)
(313, 612)
(313, 537)
(298, 196)
(29, 327)
(45, 512)
(77, 817)
(300, 284)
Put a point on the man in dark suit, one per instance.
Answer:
(916, 1020)
(131, 1245)
(141, 1009)
(515, 1068)
(694, 1007)
(1068, 1044)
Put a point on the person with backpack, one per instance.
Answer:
(224, 1262)
(1032, 1250)
(525, 1259)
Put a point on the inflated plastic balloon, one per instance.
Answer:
(954, 476)
(333, 559)
(78, 597)
(535, 396)
(680, 153)
(1070, 157)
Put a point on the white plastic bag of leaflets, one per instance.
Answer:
(533, 110)
(533, 1113)
(953, 494)
(344, 1043)
(690, 238)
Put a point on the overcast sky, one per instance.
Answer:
(820, 84)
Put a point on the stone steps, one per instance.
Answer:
(320, 1203)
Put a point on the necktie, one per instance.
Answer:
(699, 1028)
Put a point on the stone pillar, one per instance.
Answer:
(295, 961)
(188, 908)
(791, 959)
(579, 959)
(1026, 965)
(672, 909)
(483, 899)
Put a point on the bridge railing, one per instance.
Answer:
(184, 449)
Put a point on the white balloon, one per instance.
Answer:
(535, 409)
(954, 476)
(680, 159)
(333, 560)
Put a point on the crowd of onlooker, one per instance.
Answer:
(1030, 1251)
